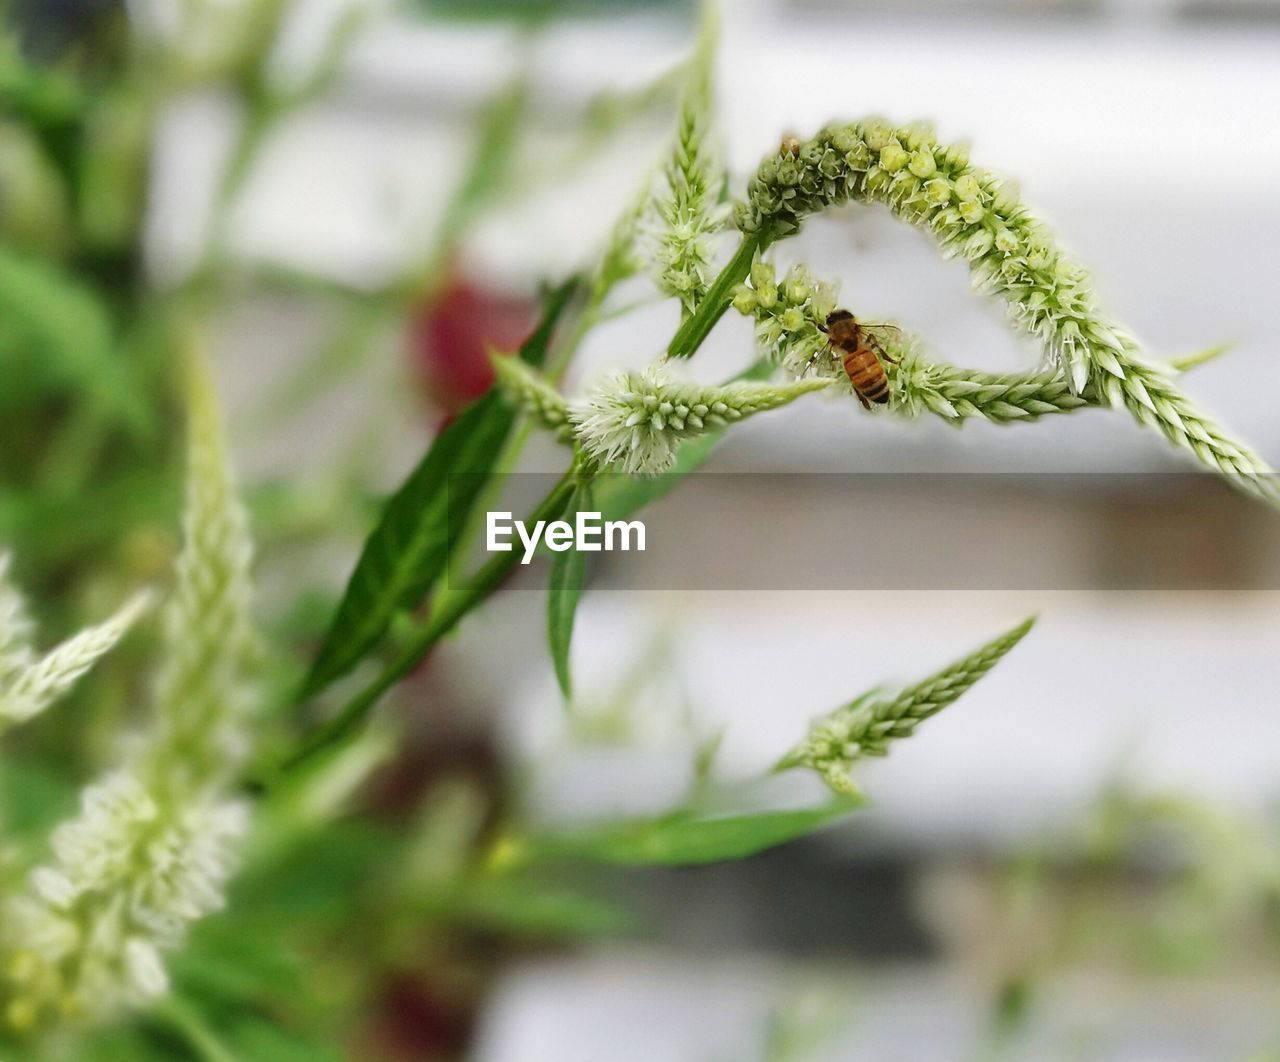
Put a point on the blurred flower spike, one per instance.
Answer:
(155, 839)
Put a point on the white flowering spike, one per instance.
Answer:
(635, 422)
(203, 693)
(688, 208)
(531, 392)
(155, 840)
(866, 726)
(27, 690)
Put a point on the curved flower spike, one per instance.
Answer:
(970, 212)
(979, 217)
(636, 420)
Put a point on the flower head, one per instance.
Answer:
(635, 421)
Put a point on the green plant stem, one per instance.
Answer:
(444, 617)
(696, 328)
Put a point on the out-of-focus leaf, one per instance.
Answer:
(408, 549)
(33, 798)
(55, 331)
(46, 527)
(254, 1037)
(235, 959)
(491, 158)
(520, 907)
(317, 878)
(686, 839)
(45, 100)
(620, 496)
(35, 212)
(538, 10)
(564, 590)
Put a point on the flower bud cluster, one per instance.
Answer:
(789, 317)
(531, 393)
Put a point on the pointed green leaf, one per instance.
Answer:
(687, 839)
(564, 590)
(408, 549)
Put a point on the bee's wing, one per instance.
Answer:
(880, 333)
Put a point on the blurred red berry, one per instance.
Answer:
(453, 332)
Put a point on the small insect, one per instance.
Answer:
(790, 145)
(860, 354)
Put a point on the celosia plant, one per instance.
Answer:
(102, 908)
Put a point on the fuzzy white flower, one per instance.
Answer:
(636, 421)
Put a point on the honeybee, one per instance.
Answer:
(790, 145)
(860, 354)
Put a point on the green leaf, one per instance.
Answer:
(33, 798)
(687, 839)
(522, 907)
(408, 549)
(253, 1036)
(620, 496)
(55, 331)
(564, 590)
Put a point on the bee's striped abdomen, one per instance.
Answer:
(866, 374)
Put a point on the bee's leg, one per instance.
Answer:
(865, 404)
(885, 354)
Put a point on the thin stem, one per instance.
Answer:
(696, 328)
(452, 607)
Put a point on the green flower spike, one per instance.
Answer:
(866, 726)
